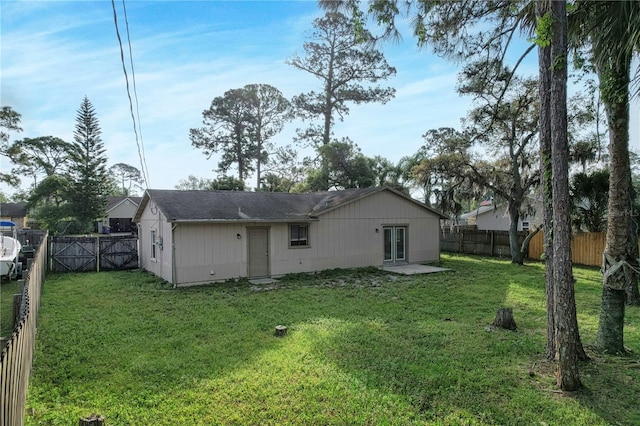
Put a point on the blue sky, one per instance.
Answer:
(185, 54)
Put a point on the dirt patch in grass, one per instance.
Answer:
(339, 278)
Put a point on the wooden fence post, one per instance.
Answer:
(17, 302)
(492, 242)
(18, 309)
(97, 254)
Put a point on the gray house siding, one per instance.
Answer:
(161, 265)
(344, 236)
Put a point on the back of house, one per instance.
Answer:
(197, 237)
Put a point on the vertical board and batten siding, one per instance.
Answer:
(345, 237)
(209, 252)
(152, 218)
(124, 210)
(498, 219)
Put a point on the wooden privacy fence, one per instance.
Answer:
(17, 356)
(99, 253)
(473, 241)
(31, 237)
(586, 248)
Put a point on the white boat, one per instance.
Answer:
(9, 249)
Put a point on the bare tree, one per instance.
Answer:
(128, 177)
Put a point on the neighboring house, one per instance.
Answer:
(496, 218)
(14, 212)
(120, 211)
(196, 237)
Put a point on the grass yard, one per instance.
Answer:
(364, 347)
(7, 290)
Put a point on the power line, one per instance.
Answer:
(143, 162)
(135, 94)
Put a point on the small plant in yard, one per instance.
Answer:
(362, 347)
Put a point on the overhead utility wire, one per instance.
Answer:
(126, 77)
(135, 94)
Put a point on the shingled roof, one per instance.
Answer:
(225, 206)
(13, 210)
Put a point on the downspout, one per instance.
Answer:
(174, 278)
(139, 246)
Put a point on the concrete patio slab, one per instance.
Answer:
(413, 269)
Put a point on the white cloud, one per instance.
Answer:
(185, 54)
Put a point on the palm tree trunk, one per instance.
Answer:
(614, 83)
(633, 294)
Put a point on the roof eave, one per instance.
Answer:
(249, 220)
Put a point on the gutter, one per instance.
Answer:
(204, 221)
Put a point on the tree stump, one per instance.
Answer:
(504, 319)
(92, 420)
(281, 331)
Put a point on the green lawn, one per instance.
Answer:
(7, 289)
(364, 347)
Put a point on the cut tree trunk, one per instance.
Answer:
(92, 420)
(504, 319)
(281, 331)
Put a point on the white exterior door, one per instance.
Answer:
(258, 252)
(395, 244)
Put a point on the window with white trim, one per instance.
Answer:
(154, 244)
(299, 235)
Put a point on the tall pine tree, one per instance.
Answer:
(88, 169)
(349, 68)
